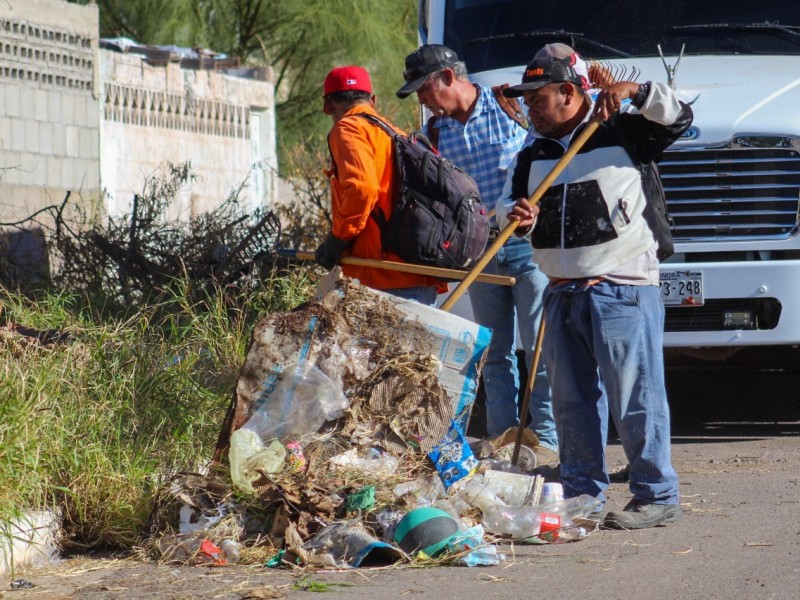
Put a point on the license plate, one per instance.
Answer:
(681, 288)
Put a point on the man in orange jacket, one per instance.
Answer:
(362, 176)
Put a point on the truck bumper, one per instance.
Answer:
(746, 304)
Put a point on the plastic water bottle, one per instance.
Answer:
(230, 548)
(538, 522)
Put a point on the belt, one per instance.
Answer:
(583, 281)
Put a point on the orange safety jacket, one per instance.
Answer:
(362, 176)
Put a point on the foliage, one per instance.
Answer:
(95, 418)
(306, 220)
(301, 40)
(131, 258)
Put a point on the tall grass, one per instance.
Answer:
(92, 424)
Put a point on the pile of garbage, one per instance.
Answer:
(346, 445)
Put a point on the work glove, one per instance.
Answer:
(329, 251)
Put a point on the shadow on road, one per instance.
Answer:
(722, 404)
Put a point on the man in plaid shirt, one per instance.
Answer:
(473, 130)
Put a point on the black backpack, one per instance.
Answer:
(437, 218)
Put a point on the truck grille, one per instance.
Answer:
(730, 193)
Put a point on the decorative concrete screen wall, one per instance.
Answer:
(97, 123)
(49, 114)
(155, 114)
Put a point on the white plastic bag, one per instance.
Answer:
(298, 406)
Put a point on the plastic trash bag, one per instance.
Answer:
(248, 456)
(299, 404)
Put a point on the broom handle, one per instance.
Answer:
(526, 400)
(410, 268)
(587, 132)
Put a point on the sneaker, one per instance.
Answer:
(640, 515)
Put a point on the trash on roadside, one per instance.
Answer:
(453, 457)
(375, 462)
(21, 584)
(347, 449)
(191, 550)
(362, 499)
(345, 544)
(543, 522)
(471, 549)
(425, 530)
(250, 459)
(295, 459)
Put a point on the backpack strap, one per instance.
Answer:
(511, 107)
(377, 213)
(433, 132)
(334, 167)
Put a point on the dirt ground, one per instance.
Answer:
(736, 446)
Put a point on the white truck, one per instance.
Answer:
(732, 289)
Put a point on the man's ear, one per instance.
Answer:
(568, 91)
(372, 100)
(327, 108)
(448, 76)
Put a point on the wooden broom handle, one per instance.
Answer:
(412, 268)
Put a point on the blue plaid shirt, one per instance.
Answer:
(484, 146)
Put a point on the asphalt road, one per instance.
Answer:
(736, 446)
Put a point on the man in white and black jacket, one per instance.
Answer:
(605, 318)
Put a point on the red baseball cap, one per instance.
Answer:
(342, 79)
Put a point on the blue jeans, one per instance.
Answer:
(498, 307)
(422, 293)
(603, 345)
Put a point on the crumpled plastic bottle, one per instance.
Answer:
(230, 548)
(529, 523)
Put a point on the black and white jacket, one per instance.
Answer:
(590, 221)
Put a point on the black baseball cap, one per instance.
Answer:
(422, 62)
(540, 72)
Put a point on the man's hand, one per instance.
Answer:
(610, 99)
(525, 214)
(329, 251)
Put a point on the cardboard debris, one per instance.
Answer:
(379, 347)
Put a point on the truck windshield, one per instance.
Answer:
(493, 34)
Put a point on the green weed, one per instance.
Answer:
(92, 422)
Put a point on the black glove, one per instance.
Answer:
(329, 251)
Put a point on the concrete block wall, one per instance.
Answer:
(50, 112)
(97, 123)
(159, 114)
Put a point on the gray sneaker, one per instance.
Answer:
(640, 515)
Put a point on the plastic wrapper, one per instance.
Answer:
(478, 552)
(453, 457)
